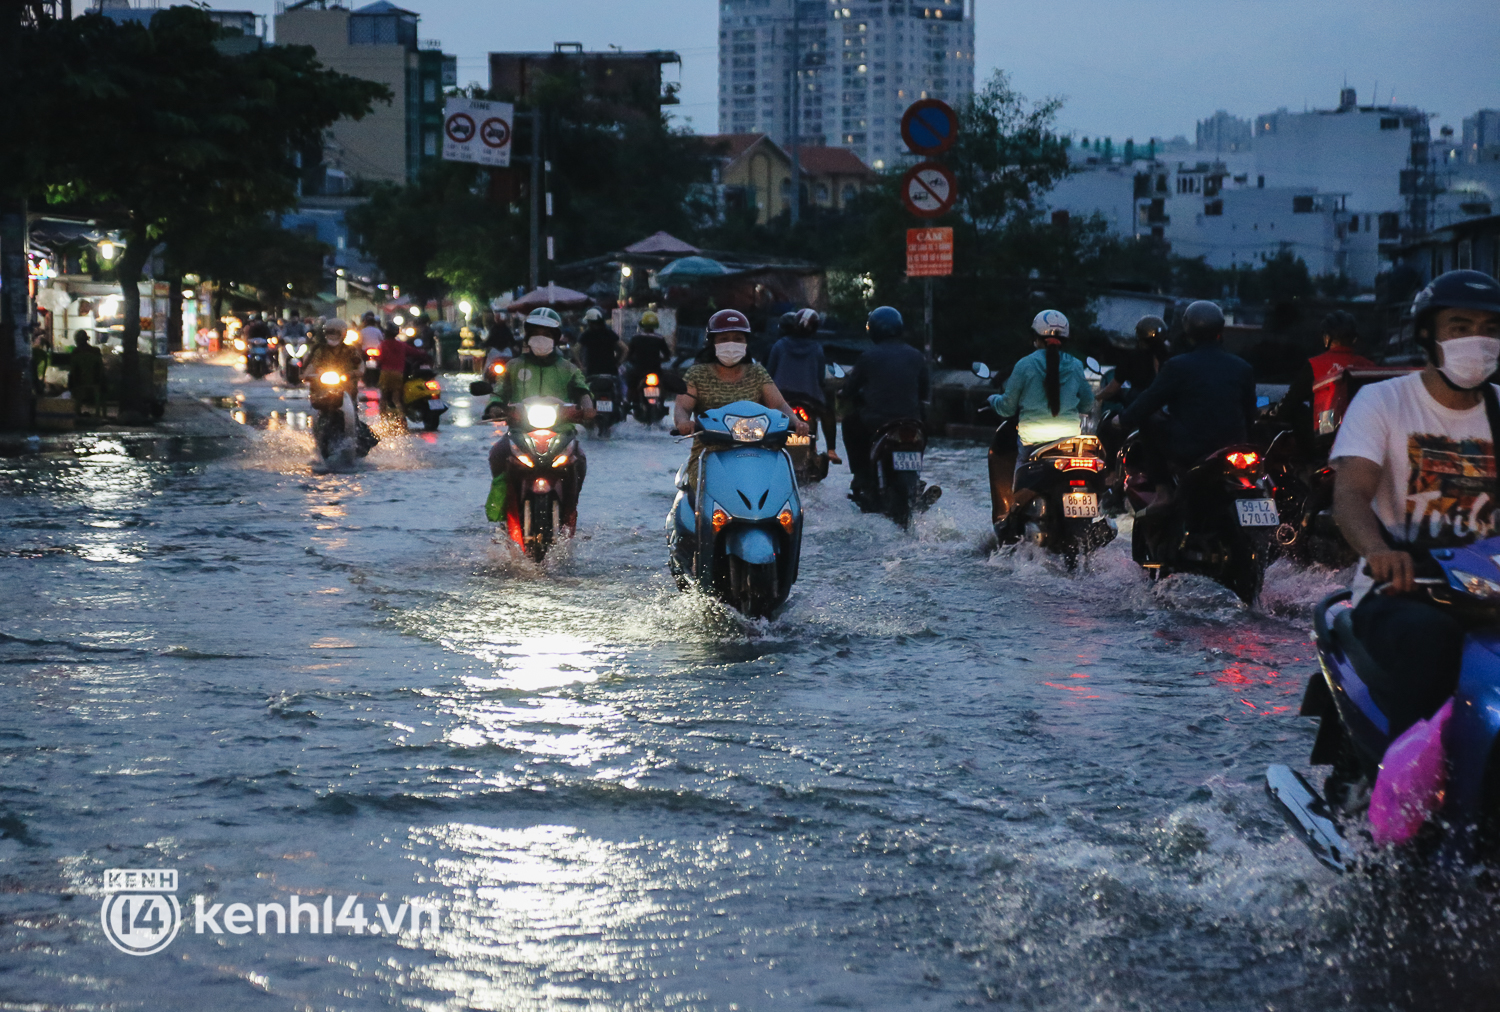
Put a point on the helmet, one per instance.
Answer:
(544, 317)
(1340, 326)
(726, 320)
(788, 324)
(884, 322)
(1150, 329)
(1050, 323)
(1202, 321)
(593, 315)
(649, 321)
(1453, 290)
(808, 322)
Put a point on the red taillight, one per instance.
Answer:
(801, 413)
(433, 386)
(653, 380)
(1243, 460)
(1077, 481)
(1078, 463)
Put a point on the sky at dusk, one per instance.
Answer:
(1125, 68)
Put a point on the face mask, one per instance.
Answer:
(1468, 361)
(332, 339)
(540, 346)
(730, 353)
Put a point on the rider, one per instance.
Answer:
(1316, 401)
(1209, 396)
(889, 382)
(731, 377)
(648, 350)
(540, 372)
(393, 374)
(1048, 390)
(327, 352)
(796, 364)
(1140, 367)
(599, 350)
(1415, 468)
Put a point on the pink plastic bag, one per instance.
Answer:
(1410, 784)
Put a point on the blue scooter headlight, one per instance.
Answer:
(1478, 586)
(748, 428)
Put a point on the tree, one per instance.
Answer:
(171, 141)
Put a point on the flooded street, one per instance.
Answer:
(940, 780)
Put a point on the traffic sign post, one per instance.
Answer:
(479, 132)
(929, 190)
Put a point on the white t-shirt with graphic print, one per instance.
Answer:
(1437, 463)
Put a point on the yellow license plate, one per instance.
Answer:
(798, 440)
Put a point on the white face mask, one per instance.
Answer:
(731, 352)
(540, 346)
(1468, 361)
(332, 338)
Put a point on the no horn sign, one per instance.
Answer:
(479, 132)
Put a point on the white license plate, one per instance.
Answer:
(906, 461)
(605, 405)
(795, 440)
(653, 391)
(1080, 504)
(436, 405)
(1257, 512)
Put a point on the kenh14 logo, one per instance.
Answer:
(140, 912)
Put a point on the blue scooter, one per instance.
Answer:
(1354, 733)
(742, 539)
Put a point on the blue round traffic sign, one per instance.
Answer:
(929, 127)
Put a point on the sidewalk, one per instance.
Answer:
(184, 417)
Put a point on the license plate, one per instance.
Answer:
(653, 391)
(605, 405)
(436, 405)
(1080, 504)
(903, 460)
(795, 440)
(1257, 512)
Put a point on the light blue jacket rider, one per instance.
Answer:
(1026, 393)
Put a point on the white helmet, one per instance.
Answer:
(593, 315)
(1050, 323)
(544, 317)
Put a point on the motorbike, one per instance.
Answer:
(605, 389)
(295, 353)
(1218, 524)
(257, 357)
(647, 404)
(422, 396)
(896, 451)
(1304, 501)
(372, 368)
(337, 431)
(1067, 478)
(807, 461)
(543, 443)
(496, 369)
(1354, 734)
(740, 537)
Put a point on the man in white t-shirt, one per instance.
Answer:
(1415, 461)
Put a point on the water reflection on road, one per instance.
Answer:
(939, 779)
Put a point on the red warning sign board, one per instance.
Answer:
(929, 252)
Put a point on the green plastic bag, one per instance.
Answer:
(494, 506)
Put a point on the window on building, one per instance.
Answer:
(429, 143)
(1354, 224)
(1390, 123)
(1302, 205)
(1213, 208)
(822, 193)
(1260, 182)
(1390, 225)
(848, 193)
(429, 90)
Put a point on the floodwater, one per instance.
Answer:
(940, 780)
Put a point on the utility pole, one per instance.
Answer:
(15, 349)
(796, 131)
(536, 199)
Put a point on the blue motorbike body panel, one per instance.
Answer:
(753, 544)
(1471, 733)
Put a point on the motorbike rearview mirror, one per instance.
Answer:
(836, 371)
(1262, 402)
(479, 388)
(1093, 364)
(981, 370)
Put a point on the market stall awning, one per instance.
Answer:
(661, 242)
(691, 269)
(549, 295)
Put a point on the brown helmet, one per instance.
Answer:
(726, 320)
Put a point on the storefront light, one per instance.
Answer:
(107, 250)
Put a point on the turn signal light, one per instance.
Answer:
(498, 368)
(434, 386)
(1243, 460)
(719, 519)
(561, 461)
(653, 380)
(786, 519)
(525, 460)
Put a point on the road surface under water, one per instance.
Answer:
(942, 779)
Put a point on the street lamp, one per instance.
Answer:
(466, 307)
(624, 270)
(107, 250)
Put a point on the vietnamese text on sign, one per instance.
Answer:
(475, 131)
(929, 252)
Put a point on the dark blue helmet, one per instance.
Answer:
(884, 323)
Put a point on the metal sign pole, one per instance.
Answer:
(536, 199)
(927, 315)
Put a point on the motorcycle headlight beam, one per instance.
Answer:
(541, 416)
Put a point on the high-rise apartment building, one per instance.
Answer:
(840, 72)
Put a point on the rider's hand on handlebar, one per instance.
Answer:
(800, 426)
(1395, 568)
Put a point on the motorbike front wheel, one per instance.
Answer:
(540, 520)
(754, 587)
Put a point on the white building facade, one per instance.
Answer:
(840, 72)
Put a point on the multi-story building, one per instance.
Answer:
(377, 42)
(840, 72)
(624, 84)
(1224, 134)
(1481, 138)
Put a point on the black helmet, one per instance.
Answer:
(788, 324)
(884, 323)
(1341, 327)
(1151, 329)
(1453, 290)
(1202, 322)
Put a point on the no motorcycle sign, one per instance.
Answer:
(475, 131)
